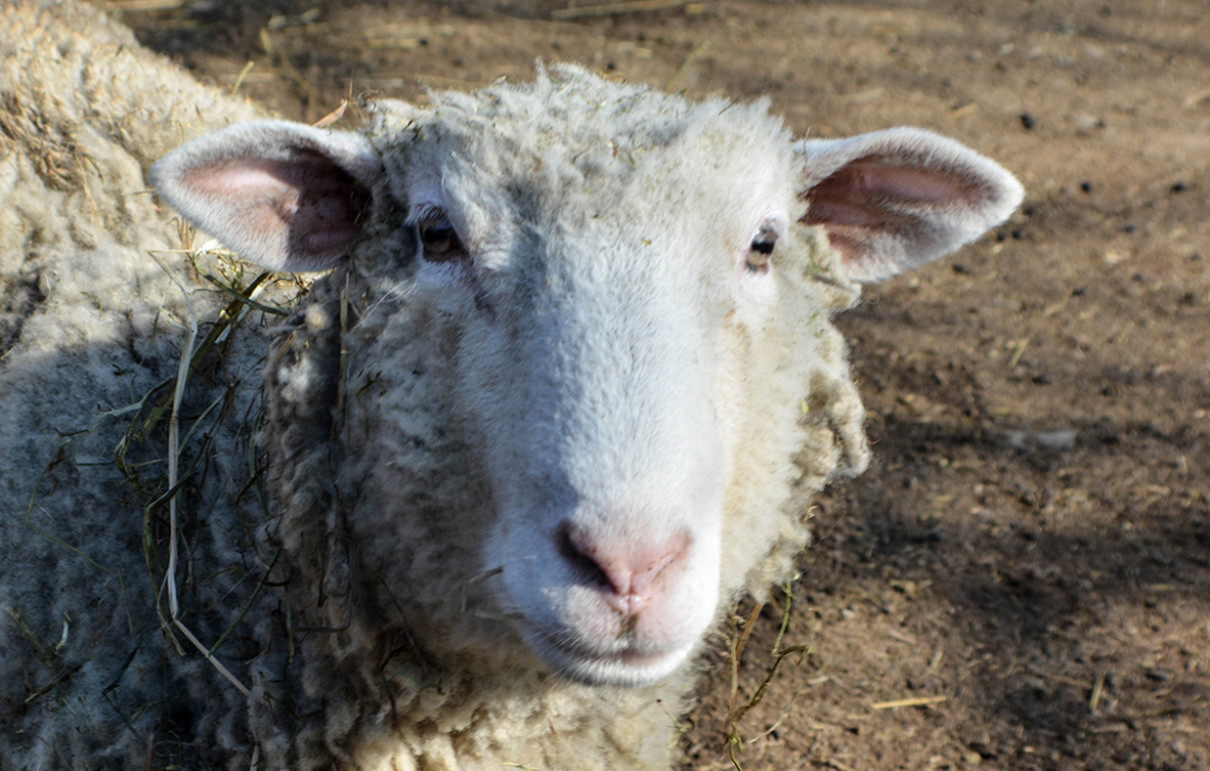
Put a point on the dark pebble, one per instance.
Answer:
(1027, 121)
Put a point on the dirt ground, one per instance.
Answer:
(1022, 579)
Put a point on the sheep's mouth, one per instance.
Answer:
(630, 667)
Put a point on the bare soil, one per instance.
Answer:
(1022, 579)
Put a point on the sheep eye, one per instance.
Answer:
(761, 249)
(439, 241)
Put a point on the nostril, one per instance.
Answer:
(582, 560)
(627, 572)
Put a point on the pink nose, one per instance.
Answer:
(629, 575)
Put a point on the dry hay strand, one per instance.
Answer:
(49, 145)
(158, 452)
(228, 279)
(918, 701)
(617, 9)
(735, 740)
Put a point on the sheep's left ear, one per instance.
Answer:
(284, 195)
(893, 200)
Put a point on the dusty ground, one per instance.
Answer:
(1030, 553)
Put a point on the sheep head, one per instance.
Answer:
(586, 376)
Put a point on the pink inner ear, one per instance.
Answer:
(305, 202)
(862, 201)
(876, 175)
(875, 208)
(849, 242)
(252, 178)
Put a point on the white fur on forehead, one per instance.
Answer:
(573, 124)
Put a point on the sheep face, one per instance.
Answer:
(584, 346)
(593, 303)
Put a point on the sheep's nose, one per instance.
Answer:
(628, 574)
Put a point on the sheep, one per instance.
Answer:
(560, 387)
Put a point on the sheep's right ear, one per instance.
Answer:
(284, 195)
(892, 200)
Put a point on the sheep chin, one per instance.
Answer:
(627, 668)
